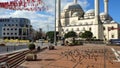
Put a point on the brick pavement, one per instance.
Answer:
(87, 56)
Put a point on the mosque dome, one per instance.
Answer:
(90, 11)
(89, 14)
(113, 21)
(103, 17)
(71, 6)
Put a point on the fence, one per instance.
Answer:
(5, 49)
(93, 42)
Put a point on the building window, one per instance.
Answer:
(11, 28)
(16, 20)
(7, 33)
(90, 29)
(4, 29)
(12, 24)
(4, 24)
(12, 20)
(77, 29)
(3, 33)
(11, 33)
(83, 28)
(16, 24)
(7, 28)
(112, 36)
(103, 28)
(15, 33)
(9, 25)
(15, 28)
(112, 27)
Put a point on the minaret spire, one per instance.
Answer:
(75, 1)
(106, 6)
(96, 11)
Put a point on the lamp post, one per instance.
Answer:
(55, 26)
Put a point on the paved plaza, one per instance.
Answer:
(86, 56)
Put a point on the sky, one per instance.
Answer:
(46, 19)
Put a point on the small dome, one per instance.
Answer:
(90, 11)
(103, 14)
(105, 22)
(72, 6)
(75, 14)
(112, 21)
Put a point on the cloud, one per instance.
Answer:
(5, 0)
(42, 19)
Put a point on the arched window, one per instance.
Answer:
(77, 29)
(103, 28)
(112, 27)
(90, 29)
(83, 28)
(112, 36)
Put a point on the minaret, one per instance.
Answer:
(96, 11)
(98, 27)
(106, 6)
(75, 1)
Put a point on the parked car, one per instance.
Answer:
(114, 41)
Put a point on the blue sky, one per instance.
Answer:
(45, 19)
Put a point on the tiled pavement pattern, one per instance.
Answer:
(86, 56)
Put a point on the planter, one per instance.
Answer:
(31, 57)
(51, 47)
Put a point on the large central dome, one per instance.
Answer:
(72, 6)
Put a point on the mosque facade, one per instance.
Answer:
(74, 18)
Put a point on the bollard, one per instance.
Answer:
(38, 48)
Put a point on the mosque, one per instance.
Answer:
(74, 18)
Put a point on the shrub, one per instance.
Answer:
(2, 44)
(31, 46)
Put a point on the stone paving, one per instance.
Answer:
(86, 56)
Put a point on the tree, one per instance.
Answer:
(87, 34)
(50, 35)
(70, 34)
